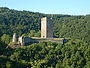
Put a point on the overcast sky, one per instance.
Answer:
(71, 7)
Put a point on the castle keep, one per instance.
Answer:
(46, 34)
(46, 28)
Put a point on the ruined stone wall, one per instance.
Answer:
(28, 40)
(46, 40)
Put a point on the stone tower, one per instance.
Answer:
(15, 38)
(21, 40)
(46, 28)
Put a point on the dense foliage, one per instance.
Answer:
(73, 54)
(77, 27)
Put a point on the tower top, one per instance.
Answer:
(46, 18)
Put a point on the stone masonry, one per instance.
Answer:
(46, 28)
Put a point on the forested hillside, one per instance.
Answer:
(77, 27)
(26, 22)
(73, 54)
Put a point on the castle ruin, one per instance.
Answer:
(46, 34)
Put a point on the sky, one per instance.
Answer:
(70, 7)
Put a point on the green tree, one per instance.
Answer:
(5, 38)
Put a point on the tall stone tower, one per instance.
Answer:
(46, 28)
(15, 38)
